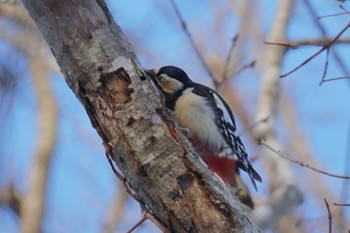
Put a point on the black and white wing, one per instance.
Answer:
(225, 123)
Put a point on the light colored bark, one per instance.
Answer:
(285, 193)
(156, 160)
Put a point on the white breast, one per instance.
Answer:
(193, 112)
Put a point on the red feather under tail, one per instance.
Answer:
(226, 169)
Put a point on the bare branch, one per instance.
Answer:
(329, 216)
(285, 193)
(337, 78)
(308, 42)
(325, 67)
(261, 141)
(323, 31)
(331, 15)
(189, 36)
(9, 197)
(218, 84)
(116, 209)
(228, 58)
(339, 204)
(344, 9)
(318, 52)
(137, 224)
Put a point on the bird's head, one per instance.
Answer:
(170, 79)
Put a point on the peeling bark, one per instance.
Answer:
(155, 158)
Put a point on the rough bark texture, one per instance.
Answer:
(156, 160)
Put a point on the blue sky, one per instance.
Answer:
(81, 183)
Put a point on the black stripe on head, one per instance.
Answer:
(176, 73)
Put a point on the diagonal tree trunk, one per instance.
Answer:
(157, 162)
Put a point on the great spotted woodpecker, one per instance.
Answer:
(209, 120)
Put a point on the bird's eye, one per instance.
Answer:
(161, 77)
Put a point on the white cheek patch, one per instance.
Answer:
(169, 85)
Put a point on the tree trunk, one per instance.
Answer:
(156, 160)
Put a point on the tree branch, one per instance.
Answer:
(156, 160)
(285, 193)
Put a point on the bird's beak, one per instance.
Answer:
(150, 73)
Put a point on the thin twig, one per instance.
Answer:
(243, 68)
(344, 9)
(288, 45)
(337, 78)
(308, 42)
(329, 216)
(325, 68)
(227, 62)
(323, 31)
(261, 141)
(340, 204)
(318, 52)
(331, 15)
(137, 224)
(160, 225)
(190, 38)
(249, 65)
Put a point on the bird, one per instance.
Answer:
(209, 121)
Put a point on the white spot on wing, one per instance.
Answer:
(221, 105)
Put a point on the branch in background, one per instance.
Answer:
(339, 204)
(325, 67)
(228, 58)
(327, 46)
(250, 65)
(337, 78)
(313, 182)
(116, 209)
(138, 224)
(344, 9)
(217, 83)
(189, 36)
(329, 216)
(33, 202)
(284, 188)
(35, 198)
(324, 33)
(9, 197)
(336, 14)
(310, 42)
(331, 15)
(261, 141)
